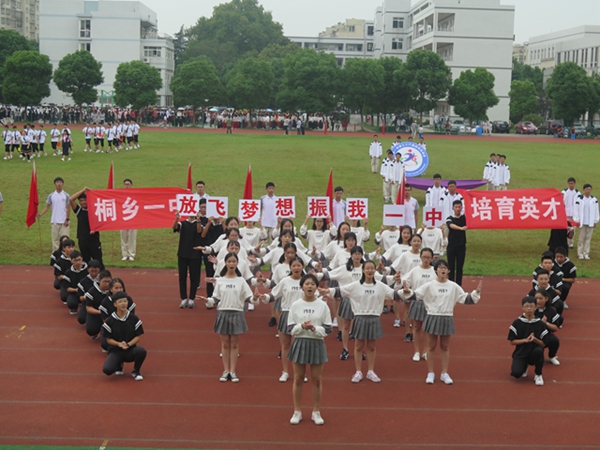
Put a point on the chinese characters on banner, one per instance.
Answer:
(357, 208)
(249, 210)
(518, 209)
(318, 207)
(187, 204)
(433, 216)
(285, 207)
(393, 215)
(217, 206)
(133, 208)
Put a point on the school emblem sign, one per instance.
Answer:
(414, 157)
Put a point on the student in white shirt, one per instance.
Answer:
(88, 131)
(489, 172)
(339, 206)
(502, 175)
(398, 176)
(375, 152)
(570, 194)
(586, 213)
(267, 209)
(436, 194)
(7, 139)
(411, 208)
(54, 138)
(61, 210)
(136, 134)
(450, 198)
(387, 175)
(42, 139)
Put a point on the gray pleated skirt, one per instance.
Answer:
(367, 327)
(277, 304)
(345, 309)
(283, 322)
(417, 310)
(230, 322)
(439, 325)
(308, 351)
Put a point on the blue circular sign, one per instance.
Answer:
(414, 157)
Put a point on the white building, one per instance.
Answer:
(114, 32)
(466, 33)
(580, 45)
(21, 16)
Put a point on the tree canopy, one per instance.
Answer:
(521, 72)
(523, 99)
(362, 84)
(196, 81)
(136, 84)
(310, 82)
(472, 94)
(394, 97)
(426, 78)
(27, 75)
(10, 42)
(569, 88)
(78, 74)
(249, 84)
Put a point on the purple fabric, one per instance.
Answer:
(424, 183)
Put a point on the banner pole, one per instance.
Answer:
(40, 236)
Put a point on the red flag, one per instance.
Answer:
(34, 201)
(383, 127)
(401, 189)
(248, 185)
(324, 124)
(189, 182)
(330, 192)
(111, 176)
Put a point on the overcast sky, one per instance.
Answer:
(309, 17)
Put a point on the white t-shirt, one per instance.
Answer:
(232, 293)
(268, 217)
(59, 202)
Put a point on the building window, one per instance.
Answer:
(369, 46)
(396, 44)
(85, 28)
(398, 22)
(152, 52)
(340, 61)
(370, 30)
(354, 47)
(351, 29)
(87, 46)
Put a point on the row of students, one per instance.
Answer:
(30, 142)
(496, 173)
(116, 135)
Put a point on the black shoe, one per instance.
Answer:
(392, 309)
(272, 322)
(364, 356)
(385, 309)
(344, 355)
(339, 336)
(279, 355)
(408, 337)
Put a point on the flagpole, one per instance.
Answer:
(40, 236)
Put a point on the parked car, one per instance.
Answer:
(500, 126)
(550, 127)
(593, 130)
(579, 129)
(526, 128)
(455, 125)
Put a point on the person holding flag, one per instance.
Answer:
(59, 201)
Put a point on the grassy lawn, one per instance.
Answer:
(298, 166)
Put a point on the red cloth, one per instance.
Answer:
(34, 201)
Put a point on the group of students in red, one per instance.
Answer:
(101, 303)
(543, 309)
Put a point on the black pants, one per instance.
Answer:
(63, 294)
(56, 283)
(566, 288)
(456, 261)
(552, 344)
(93, 324)
(536, 358)
(73, 301)
(91, 249)
(192, 266)
(559, 305)
(115, 359)
(209, 268)
(82, 314)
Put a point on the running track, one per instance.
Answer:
(53, 391)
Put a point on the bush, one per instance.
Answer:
(426, 122)
(537, 120)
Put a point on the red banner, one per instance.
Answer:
(517, 209)
(132, 208)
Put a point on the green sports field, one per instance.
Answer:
(298, 165)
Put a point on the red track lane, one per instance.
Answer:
(54, 392)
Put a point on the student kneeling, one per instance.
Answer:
(123, 330)
(529, 335)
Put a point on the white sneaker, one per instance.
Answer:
(250, 307)
(397, 323)
(191, 304)
(296, 418)
(372, 376)
(316, 418)
(284, 377)
(424, 356)
(566, 306)
(357, 377)
(69, 159)
(416, 357)
(124, 258)
(539, 381)
(234, 377)
(430, 378)
(446, 378)
(335, 322)
(131, 258)
(306, 379)
(224, 377)
(524, 374)
(586, 256)
(183, 303)
(554, 361)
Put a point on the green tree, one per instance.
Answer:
(78, 74)
(569, 89)
(394, 98)
(472, 94)
(275, 54)
(249, 84)
(521, 72)
(594, 97)
(236, 30)
(10, 42)
(179, 44)
(523, 99)
(27, 75)
(363, 84)
(136, 84)
(195, 81)
(426, 79)
(310, 82)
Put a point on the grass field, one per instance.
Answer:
(298, 166)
